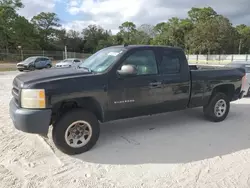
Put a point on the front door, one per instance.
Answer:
(38, 63)
(138, 95)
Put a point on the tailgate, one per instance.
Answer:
(245, 85)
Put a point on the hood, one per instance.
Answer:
(24, 63)
(64, 63)
(49, 75)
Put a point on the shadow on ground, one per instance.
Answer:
(176, 137)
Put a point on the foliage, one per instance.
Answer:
(203, 31)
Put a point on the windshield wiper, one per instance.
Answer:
(86, 68)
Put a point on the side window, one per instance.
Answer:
(38, 60)
(144, 61)
(170, 63)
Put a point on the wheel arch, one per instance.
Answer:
(227, 89)
(87, 103)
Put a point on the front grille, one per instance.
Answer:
(16, 92)
(21, 66)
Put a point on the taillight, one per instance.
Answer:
(244, 80)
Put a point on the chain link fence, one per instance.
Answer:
(220, 59)
(19, 55)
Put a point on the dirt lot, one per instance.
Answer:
(178, 149)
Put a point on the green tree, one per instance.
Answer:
(74, 41)
(8, 16)
(201, 14)
(148, 29)
(243, 41)
(141, 37)
(15, 4)
(211, 33)
(161, 37)
(127, 32)
(24, 34)
(95, 37)
(46, 25)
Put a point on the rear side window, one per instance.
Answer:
(38, 59)
(170, 62)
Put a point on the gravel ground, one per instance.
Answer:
(178, 149)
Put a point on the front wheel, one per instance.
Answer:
(218, 108)
(31, 68)
(76, 132)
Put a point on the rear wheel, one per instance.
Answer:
(218, 108)
(76, 132)
(248, 92)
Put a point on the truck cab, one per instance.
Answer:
(115, 83)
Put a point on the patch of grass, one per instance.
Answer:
(2, 69)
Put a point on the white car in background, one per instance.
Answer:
(70, 62)
(245, 65)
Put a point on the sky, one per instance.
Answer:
(78, 14)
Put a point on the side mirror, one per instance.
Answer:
(127, 70)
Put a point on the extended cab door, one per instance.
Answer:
(137, 95)
(174, 71)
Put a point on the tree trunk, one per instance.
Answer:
(240, 46)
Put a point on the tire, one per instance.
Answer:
(248, 93)
(48, 66)
(209, 110)
(62, 125)
(31, 68)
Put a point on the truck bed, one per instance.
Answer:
(205, 78)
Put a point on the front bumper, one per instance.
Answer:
(23, 68)
(59, 66)
(30, 121)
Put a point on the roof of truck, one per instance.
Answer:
(144, 46)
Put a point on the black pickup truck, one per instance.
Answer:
(115, 83)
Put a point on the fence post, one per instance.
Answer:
(197, 59)
(232, 58)
(246, 57)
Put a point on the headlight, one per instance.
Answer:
(33, 98)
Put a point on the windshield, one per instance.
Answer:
(67, 60)
(29, 60)
(102, 60)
